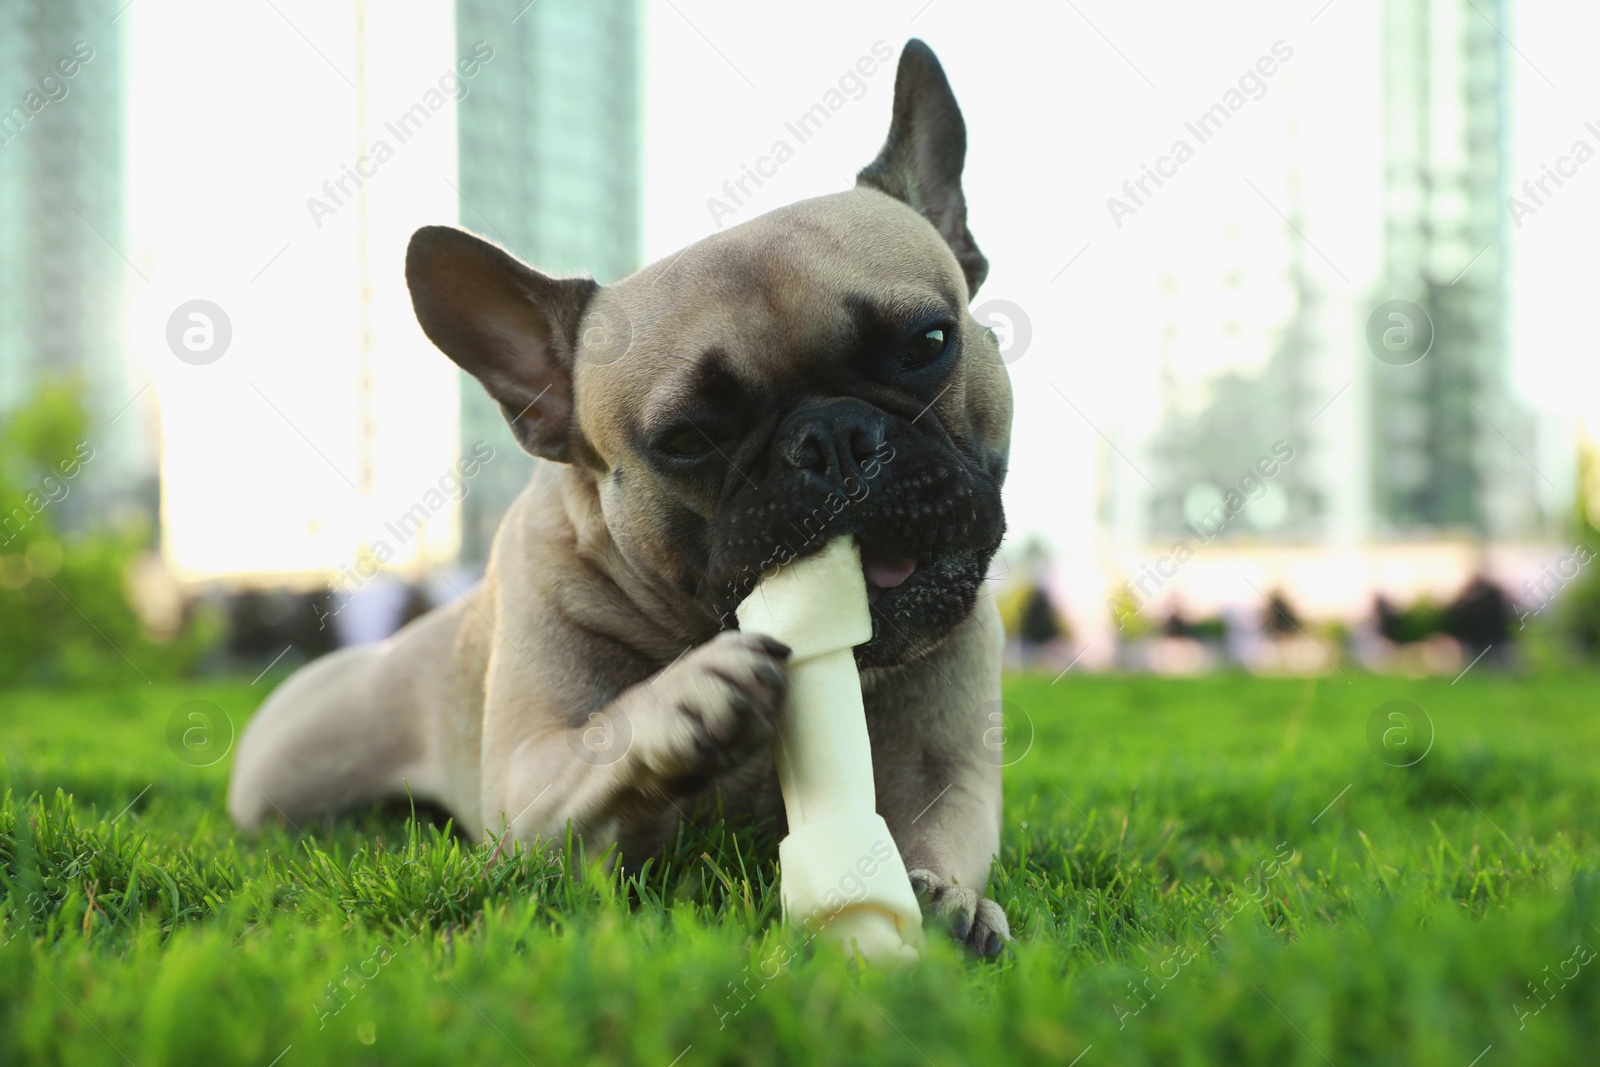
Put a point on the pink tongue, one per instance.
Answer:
(886, 573)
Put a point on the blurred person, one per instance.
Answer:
(1371, 641)
(371, 612)
(1280, 619)
(1386, 617)
(1039, 627)
(1176, 625)
(1480, 618)
(1241, 637)
(418, 602)
(262, 623)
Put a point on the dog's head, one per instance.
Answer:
(809, 374)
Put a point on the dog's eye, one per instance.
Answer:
(686, 443)
(925, 349)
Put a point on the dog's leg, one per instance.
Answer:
(937, 769)
(350, 729)
(616, 774)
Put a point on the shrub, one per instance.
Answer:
(65, 611)
(1578, 611)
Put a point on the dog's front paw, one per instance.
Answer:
(713, 707)
(971, 918)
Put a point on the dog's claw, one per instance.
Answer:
(974, 920)
(719, 702)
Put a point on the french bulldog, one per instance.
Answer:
(810, 374)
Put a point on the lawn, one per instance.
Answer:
(1217, 871)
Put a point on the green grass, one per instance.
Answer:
(1228, 853)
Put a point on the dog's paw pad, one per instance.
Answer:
(974, 920)
(714, 707)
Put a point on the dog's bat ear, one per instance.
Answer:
(509, 326)
(921, 160)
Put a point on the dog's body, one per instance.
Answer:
(807, 375)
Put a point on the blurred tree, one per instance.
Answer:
(1578, 615)
(1421, 620)
(1124, 609)
(66, 614)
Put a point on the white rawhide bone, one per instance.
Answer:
(839, 866)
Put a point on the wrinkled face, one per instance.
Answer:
(809, 375)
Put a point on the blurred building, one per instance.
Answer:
(550, 166)
(1253, 343)
(1423, 450)
(62, 270)
(1447, 430)
(1203, 455)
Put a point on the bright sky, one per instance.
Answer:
(1063, 104)
(262, 461)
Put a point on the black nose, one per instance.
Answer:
(830, 438)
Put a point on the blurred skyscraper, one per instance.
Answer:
(62, 272)
(1420, 450)
(1447, 430)
(1202, 454)
(550, 165)
(1249, 346)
